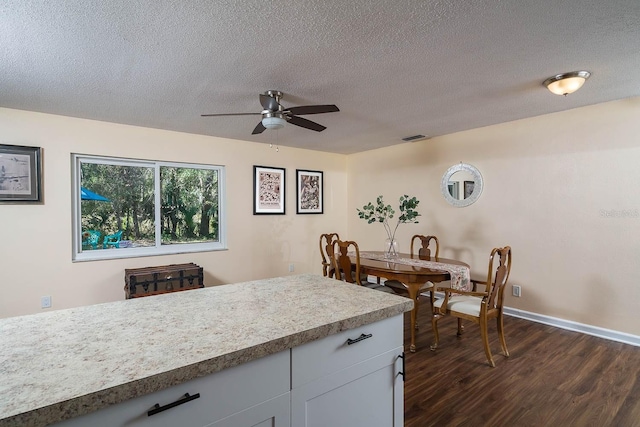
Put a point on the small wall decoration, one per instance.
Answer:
(20, 174)
(309, 192)
(268, 190)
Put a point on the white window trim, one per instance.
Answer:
(77, 253)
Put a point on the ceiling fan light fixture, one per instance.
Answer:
(566, 83)
(273, 122)
(275, 116)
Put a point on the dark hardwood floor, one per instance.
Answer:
(553, 377)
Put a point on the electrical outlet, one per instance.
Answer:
(45, 302)
(291, 269)
(516, 291)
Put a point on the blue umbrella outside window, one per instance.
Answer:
(90, 195)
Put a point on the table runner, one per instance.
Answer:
(460, 274)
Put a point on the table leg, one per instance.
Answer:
(414, 289)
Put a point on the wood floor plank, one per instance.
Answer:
(629, 412)
(553, 377)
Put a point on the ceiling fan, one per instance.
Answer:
(274, 115)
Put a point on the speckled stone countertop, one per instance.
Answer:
(61, 364)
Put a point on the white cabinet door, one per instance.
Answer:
(272, 413)
(368, 394)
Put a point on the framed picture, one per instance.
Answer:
(468, 188)
(309, 192)
(20, 174)
(268, 190)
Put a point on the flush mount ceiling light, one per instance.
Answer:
(273, 122)
(566, 83)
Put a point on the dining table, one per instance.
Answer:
(374, 263)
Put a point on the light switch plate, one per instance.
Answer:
(45, 302)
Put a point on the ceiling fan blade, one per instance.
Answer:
(313, 109)
(230, 114)
(258, 129)
(307, 124)
(269, 102)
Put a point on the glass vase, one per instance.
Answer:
(391, 249)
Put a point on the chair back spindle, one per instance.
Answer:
(343, 265)
(424, 252)
(326, 245)
(497, 279)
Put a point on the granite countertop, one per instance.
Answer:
(61, 364)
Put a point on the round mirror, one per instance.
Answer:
(461, 185)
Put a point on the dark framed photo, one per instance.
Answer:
(468, 188)
(309, 193)
(268, 190)
(20, 174)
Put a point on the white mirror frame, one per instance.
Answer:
(477, 189)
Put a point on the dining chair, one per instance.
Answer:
(348, 271)
(326, 245)
(479, 307)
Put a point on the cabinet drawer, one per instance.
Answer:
(221, 394)
(327, 355)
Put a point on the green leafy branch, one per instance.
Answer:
(383, 213)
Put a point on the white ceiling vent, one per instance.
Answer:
(414, 138)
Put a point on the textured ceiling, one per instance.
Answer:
(394, 68)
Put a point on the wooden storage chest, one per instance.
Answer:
(143, 282)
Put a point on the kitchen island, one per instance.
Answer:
(63, 364)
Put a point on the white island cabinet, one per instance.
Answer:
(350, 379)
(299, 351)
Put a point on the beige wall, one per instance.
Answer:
(550, 184)
(35, 240)
(555, 187)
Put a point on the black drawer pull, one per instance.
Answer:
(403, 372)
(360, 338)
(187, 398)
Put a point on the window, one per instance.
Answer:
(130, 208)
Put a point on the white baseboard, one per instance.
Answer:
(575, 326)
(569, 325)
